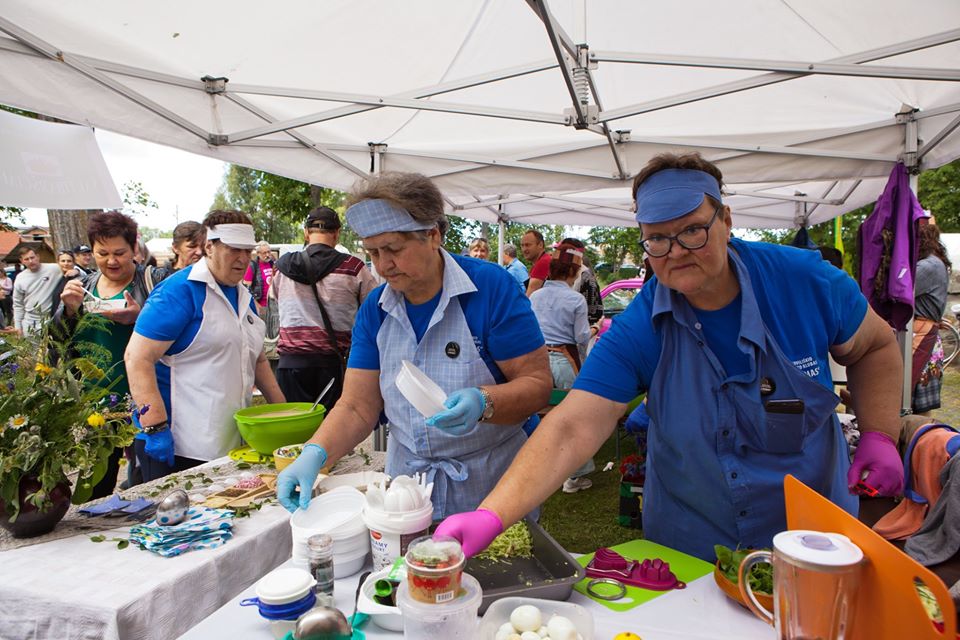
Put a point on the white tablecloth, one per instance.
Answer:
(699, 612)
(75, 589)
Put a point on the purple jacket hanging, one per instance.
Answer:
(887, 243)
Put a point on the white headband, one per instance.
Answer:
(236, 235)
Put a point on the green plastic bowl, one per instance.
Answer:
(268, 433)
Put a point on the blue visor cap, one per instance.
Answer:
(672, 193)
(370, 218)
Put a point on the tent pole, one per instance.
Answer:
(905, 337)
(501, 234)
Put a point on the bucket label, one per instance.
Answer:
(385, 547)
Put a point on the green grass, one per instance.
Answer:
(584, 521)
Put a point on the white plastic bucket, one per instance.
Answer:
(390, 533)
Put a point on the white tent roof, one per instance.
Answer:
(495, 100)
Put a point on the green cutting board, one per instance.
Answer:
(686, 568)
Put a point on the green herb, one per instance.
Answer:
(243, 465)
(97, 538)
(761, 574)
(122, 543)
(515, 542)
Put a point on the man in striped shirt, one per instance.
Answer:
(308, 285)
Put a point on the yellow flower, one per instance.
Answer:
(18, 421)
(43, 369)
(96, 420)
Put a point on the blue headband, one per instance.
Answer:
(372, 217)
(671, 193)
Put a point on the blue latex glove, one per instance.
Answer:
(159, 445)
(301, 473)
(464, 409)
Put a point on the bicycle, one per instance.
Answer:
(950, 337)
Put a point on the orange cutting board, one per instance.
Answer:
(887, 605)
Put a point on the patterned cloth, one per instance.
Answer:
(204, 528)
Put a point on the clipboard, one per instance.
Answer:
(888, 607)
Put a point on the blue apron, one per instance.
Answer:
(465, 467)
(716, 458)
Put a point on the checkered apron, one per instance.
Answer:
(464, 468)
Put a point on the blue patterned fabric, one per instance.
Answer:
(204, 528)
(372, 217)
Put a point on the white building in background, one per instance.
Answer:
(952, 242)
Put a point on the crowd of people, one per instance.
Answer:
(729, 340)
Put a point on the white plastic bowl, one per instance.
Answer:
(383, 616)
(346, 565)
(499, 612)
(423, 393)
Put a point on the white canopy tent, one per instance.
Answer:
(522, 111)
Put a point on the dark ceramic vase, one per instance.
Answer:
(32, 521)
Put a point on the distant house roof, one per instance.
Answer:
(8, 240)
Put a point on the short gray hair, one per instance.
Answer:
(510, 250)
(262, 244)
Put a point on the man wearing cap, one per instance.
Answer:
(195, 354)
(318, 291)
(83, 259)
(730, 340)
(461, 321)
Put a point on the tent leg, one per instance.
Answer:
(905, 339)
(501, 239)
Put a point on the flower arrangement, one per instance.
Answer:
(57, 417)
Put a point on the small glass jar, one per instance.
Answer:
(320, 557)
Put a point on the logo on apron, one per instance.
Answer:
(452, 349)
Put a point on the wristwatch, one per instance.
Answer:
(155, 428)
(487, 404)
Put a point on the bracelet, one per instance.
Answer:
(155, 428)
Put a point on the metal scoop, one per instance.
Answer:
(323, 623)
(173, 508)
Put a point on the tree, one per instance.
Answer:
(939, 191)
(136, 200)
(68, 227)
(277, 205)
(616, 244)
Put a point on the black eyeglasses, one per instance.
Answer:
(693, 237)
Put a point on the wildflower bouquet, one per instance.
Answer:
(57, 416)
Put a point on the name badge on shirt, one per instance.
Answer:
(452, 349)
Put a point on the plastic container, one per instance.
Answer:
(423, 393)
(499, 612)
(267, 433)
(384, 616)
(434, 568)
(452, 620)
(336, 513)
(392, 533)
(283, 595)
(347, 564)
(549, 574)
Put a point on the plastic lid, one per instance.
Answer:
(336, 512)
(434, 553)
(470, 598)
(284, 585)
(818, 548)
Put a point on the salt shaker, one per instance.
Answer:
(320, 557)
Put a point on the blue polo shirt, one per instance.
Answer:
(174, 312)
(807, 304)
(498, 315)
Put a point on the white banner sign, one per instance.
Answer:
(52, 166)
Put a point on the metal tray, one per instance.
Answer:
(549, 574)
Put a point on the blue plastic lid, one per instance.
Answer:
(288, 611)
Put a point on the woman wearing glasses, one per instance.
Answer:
(730, 340)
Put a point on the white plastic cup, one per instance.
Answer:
(453, 620)
(391, 533)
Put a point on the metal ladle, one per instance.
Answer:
(173, 508)
(322, 394)
(323, 623)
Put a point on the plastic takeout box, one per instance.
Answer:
(423, 393)
(549, 574)
(499, 612)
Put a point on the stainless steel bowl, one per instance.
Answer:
(323, 623)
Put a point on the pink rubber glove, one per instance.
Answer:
(474, 529)
(877, 455)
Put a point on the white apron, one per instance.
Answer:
(213, 377)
